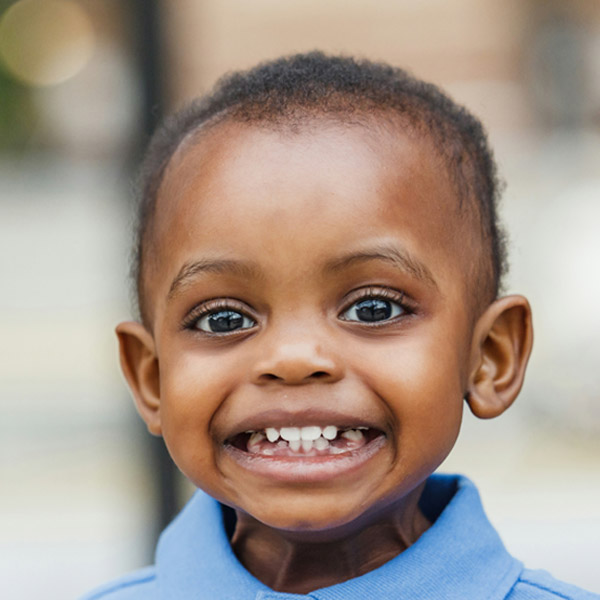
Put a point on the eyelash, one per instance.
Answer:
(212, 307)
(209, 307)
(378, 293)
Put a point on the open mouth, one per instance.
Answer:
(308, 441)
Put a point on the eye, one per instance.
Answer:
(373, 310)
(223, 321)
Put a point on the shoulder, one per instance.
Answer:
(138, 585)
(540, 585)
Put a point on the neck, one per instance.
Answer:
(299, 563)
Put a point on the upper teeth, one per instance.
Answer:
(309, 433)
(272, 434)
(294, 434)
(353, 434)
(290, 434)
(329, 432)
(307, 438)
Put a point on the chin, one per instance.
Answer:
(316, 519)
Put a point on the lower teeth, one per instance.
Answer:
(321, 444)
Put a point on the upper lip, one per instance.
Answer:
(301, 418)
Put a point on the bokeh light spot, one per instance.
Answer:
(45, 42)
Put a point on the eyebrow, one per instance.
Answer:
(398, 257)
(191, 269)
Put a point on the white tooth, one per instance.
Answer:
(256, 438)
(268, 451)
(353, 435)
(362, 427)
(307, 445)
(336, 450)
(272, 434)
(290, 434)
(295, 445)
(321, 443)
(310, 433)
(330, 432)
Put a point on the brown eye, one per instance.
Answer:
(373, 310)
(224, 321)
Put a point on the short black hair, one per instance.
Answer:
(290, 90)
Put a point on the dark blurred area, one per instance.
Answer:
(83, 84)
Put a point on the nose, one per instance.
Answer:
(296, 359)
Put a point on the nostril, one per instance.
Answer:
(319, 374)
(314, 375)
(269, 376)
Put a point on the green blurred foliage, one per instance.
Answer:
(17, 113)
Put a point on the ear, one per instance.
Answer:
(501, 346)
(140, 367)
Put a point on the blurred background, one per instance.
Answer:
(84, 489)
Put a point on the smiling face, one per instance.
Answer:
(310, 280)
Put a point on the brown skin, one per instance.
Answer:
(291, 206)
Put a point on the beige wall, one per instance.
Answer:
(439, 40)
(478, 50)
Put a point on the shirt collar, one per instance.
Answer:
(459, 556)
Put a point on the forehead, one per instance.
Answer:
(348, 185)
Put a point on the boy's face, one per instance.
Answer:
(309, 279)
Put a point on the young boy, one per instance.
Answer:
(318, 270)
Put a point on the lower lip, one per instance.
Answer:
(306, 468)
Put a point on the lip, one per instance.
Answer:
(304, 469)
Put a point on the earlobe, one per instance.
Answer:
(501, 345)
(140, 367)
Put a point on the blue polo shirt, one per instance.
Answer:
(460, 557)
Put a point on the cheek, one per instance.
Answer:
(424, 367)
(196, 383)
(191, 394)
(419, 379)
